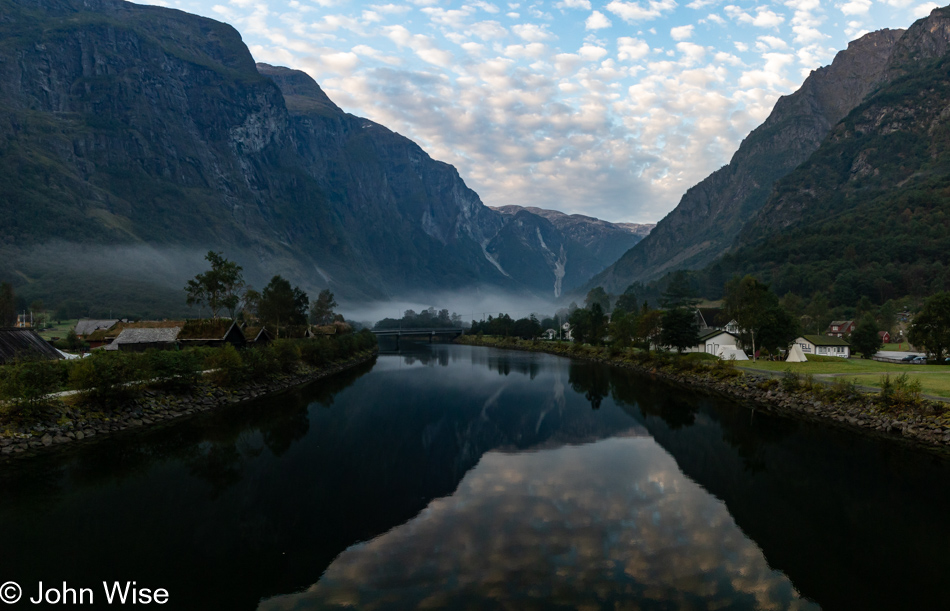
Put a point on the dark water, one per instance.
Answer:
(467, 478)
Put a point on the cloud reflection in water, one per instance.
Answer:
(608, 524)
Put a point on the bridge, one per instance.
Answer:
(446, 333)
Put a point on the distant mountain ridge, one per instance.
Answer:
(135, 138)
(711, 214)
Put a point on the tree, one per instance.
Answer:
(931, 327)
(628, 301)
(599, 296)
(250, 304)
(7, 305)
(623, 327)
(217, 288)
(865, 338)
(580, 325)
(650, 326)
(680, 328)
(777, 329)
(747, 300)
(282, 305)
(321, 310)
(678, 292)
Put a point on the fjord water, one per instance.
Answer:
(460, 477)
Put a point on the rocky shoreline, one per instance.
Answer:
(861, 414)
(68, 424)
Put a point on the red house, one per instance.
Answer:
(885, 336)
(840, 328)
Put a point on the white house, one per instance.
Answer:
(719, 343)
(549, 334)
(824, 345)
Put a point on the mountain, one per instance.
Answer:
(711, 214)
(573, 247)
(133, 139)
(868, 215)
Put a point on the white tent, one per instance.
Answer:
(731, 353)
(795, 355)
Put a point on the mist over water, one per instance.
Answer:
(472, 304)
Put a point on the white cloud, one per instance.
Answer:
(597, 21)
(855, 7)
(683, 32)
(631, 49)
(925, 9)
(578, 4)
(763, 17)
(640, 11)
(532, 32)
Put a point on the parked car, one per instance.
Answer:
(919, 360)
(908, 358)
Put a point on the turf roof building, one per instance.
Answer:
(824, 345)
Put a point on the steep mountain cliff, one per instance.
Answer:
(711, 214)
(868, 215)
(135, 138)
(572, 247)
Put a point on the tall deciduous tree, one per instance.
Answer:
(747, 301)
(678, 293)
(218, 287)
(865, 338)
(321, 310)
(931, 327)
(282, 305)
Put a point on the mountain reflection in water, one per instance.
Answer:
(453, 476)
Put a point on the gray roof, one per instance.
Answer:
(24, 344)
(87, 326)
(162, 335)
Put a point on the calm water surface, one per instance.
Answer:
(469, 478)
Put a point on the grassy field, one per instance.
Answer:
(934, 379)
(838, 365)
(58, 330)
(905, 347)
(932, 383)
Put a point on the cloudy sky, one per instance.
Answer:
(611, 108)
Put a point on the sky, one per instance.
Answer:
(607, 108)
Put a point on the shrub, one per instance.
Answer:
(769, 384)
(791, 381)
(30, 382)
(172, 369)
(106, 378)
(901, 393)
(226, 365)
(286, 355)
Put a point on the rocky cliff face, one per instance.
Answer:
(152, 133)
(710, 215)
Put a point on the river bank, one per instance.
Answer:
(925, 423)
(66, 424)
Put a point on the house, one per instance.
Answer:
(885, 336)
(86, 327)
(840, 328)
(257, 336)
(141, 336)
(19, 343)
(716, 318)
(722, 344)
(214, 333)
(824, 345)
(549, 334)
(24, 321)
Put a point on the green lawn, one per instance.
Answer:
(837, 365)
(934, 379)
(905, 347)
(930, 383)
(58, 330)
